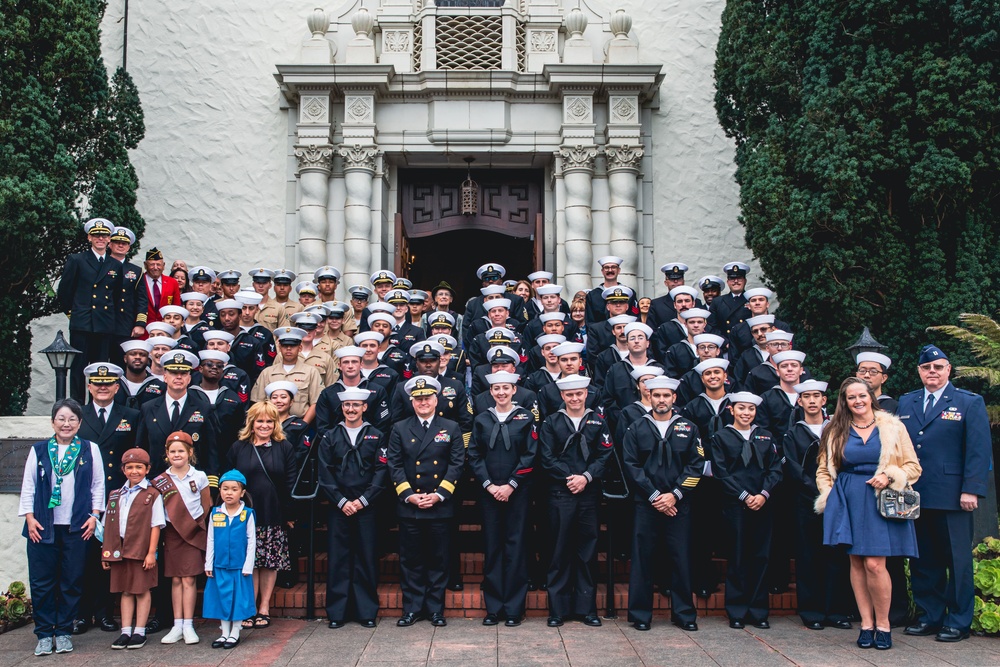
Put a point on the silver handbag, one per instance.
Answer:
(903, 505)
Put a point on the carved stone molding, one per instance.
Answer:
(359, 109)
(314, 109)
(578, 109)
(397, 41)
(314, 157)
(359, 157)
(624, 109)
(578, 158)
(542, 41)
(624, 157)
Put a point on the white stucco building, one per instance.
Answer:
(282, 135)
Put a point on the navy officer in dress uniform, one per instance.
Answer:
(575, 446)
(951, 435)
(426, 455)
(661, 309)
(131, 319)
(664, 459)
(90, 293)
(711, 287)
(724, 307)
(611, 268)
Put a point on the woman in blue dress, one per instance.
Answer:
(864, 450)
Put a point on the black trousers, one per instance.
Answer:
(822, 573)
(505, 566)
(538, 543)
(942, 577)
(55, 574)
(573, 527)
(423, 564)
(653, 528)
(782, 502)
(352, 557)
(97, 601)
(746, 585)
(94, 347)
(706, 538)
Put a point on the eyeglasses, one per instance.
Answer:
(869, 371)
(67, 420)
(937, 367)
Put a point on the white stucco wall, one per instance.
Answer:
(213, 165)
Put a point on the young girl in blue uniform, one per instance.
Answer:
(229, 558)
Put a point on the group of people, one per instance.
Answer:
(693, 412)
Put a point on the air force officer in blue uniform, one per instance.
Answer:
(951, 435)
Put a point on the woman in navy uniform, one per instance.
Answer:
(747, 464)
(352, 475)
(575, 447)
(502, 457)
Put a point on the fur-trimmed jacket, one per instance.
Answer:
(897, 460)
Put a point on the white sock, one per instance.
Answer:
(226, 626)
(141, 631)
(127, 630)
(188, 623)
(178, 622)
(235, 632)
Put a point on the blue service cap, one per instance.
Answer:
(931, 353)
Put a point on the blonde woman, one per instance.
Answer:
(864, 450)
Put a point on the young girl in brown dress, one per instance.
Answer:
(133, 521)
(186, 499)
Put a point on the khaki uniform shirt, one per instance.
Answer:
(305, 377)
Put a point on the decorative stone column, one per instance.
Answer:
(314, 183)
(359, 168)
(577, 172)
(623, 171)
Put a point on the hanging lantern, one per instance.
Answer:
(470, 192)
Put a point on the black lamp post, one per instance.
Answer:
(865, 343)
(61, 357)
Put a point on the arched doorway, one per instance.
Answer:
(435, 241)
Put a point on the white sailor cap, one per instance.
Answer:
(875, 357)
(247, 298)
(326, 272)
(216, 355)
(496, 303)
(711, 363)
(286, 335)
(422, 385)
(130, 345)
(736, 269)
(281, 385)
(778, 334)
(501, 354)
(491, 271)
(382, 307)
(610, 259)
(261, 275)
(571, 382)
(174, 310)
(219, 335)
(350, 350)
(758, 291)
(354, 394)
(381, 317)
(306, 287)
(539, 275)
(368, 335)
(638, 326)
(709, 338)
(548, 317)
(502, 377)
(674, 270)
(550, 288)
(811, 385)
(695, 312)
(617, 293)
(542, 341)
(568, 348)
(382, 276)
(642, 371)
(191, 296)
(744, 397)
(683, 289)
(160, 328)
(492, 290)
(662, 382)
(162, 341)
(103, 372)
(760, 319)
(788, 355)
(621, 319)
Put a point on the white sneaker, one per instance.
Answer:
(174, 636)
(190, 636)
(64, 644)
(44, 646)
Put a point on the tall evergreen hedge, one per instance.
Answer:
(65, 131)
(868, 157)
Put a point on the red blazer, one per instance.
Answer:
(170, 295)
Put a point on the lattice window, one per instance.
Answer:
(418, 45)
(520, 45)
(469, 42)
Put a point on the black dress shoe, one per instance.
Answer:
(491, 619)
(690, 626)
(153, 626)
(813, 625)
(665, 592)
(532, 586)
(641, 627)
(842, 624)
(109, 624)
(456, 586)
(555, 622)
(736, 624)
(592, 620)
(513, 621)
(333, 625)
(763, 625)
(951, 635)
(703, 593)
(231, 643)
(80, 626)
(921, 629)
(778, 590)
(543, 587)
(367, 623)
(406, 620)
(219, 643)
(437, 620)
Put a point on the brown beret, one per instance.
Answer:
(179, 435)
(135, 455)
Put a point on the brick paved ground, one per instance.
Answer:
(466, 643)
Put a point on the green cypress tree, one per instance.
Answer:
(868, 159)
(64, 135)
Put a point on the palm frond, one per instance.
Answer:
(993, 412)
(982, 346)
(982, 325)
(990, 375)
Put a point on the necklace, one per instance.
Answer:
(868, 425)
